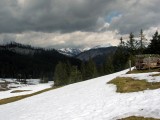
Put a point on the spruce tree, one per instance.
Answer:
(91, 71)
(120, 58)
(131, 41)
(108, 66)
(154, 46)
(75, 75)
(121, 42)
(83, 71)
(132, 44)
(60, 75)
(142, 38)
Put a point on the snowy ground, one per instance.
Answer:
(32, 86)
(89, 100)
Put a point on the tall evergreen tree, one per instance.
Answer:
(83, 71)
(121, 42)
(132, 44)
(120, 58)
(61, 76)
(154, 47)
(108, 66)
(75, 75)
(91, 70)
(142, 38)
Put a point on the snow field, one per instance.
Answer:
(89, 100)
(31, 88)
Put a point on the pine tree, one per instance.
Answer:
(154, 46)
(68, 68)
(75, 75)
(132, 44)
(121, 42)
(108, 66)
(142, 38)
(91, 71)
(131, 41)
(61, 76)
(120, 58)
(83, 71)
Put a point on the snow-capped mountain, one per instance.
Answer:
(70, 51)
(75, 51)
(101, 46)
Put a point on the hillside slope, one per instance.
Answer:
(99, 55)
(30, 62)
(89, 100)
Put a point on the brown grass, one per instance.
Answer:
(18, 91)
(16, 98)
(154, 75)
(143, 71)
(127, 84)
(138, 118)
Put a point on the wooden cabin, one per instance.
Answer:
(147, 61)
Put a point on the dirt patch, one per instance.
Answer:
(138, 118)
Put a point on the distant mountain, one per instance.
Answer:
(101, 46)
(75, 51)
(70, 51)
(98, 54)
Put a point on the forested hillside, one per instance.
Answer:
(18, 60)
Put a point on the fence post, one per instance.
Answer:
(130, 65)
(149, 63)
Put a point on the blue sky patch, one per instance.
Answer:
(111, 15)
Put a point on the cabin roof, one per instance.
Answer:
(147, 55)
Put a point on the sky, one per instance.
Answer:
(76, 23)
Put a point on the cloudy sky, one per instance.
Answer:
(76, 23)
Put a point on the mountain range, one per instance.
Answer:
(76, 51)
(98, 53)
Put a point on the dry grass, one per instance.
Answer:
(127, 84)
(138, 118)
(18, 91)
(143, 71)
(16, 98)
(154, 75)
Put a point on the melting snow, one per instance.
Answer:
(89, 100)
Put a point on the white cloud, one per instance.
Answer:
(81, 23)
(57, 40)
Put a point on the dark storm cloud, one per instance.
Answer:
(75, 23)
(50, 15)
(72, 15)
(136, 15)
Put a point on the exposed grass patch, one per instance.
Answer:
(138, 118)
(127, 84)
(154, 75)
(18, 91)
(143, 71)
(16, 98)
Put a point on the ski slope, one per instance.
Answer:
(89, 100)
